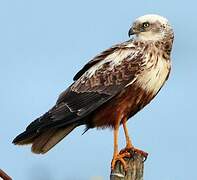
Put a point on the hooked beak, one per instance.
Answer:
(131, 32)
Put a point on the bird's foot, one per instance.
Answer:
(131, 150)
(120, 157)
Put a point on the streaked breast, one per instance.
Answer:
(156, 71)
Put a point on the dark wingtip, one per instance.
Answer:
(16, 139)
(24, 138)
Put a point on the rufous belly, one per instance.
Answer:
(128, 103)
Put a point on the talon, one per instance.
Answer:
(120, 157)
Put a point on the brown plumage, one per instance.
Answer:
(110, 89)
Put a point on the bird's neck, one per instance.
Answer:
(164, 44)
(167, 41)
(163, 40)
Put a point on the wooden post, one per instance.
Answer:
(4, 176)
(135, 168)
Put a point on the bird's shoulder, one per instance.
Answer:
(113, 68)
(116, 53)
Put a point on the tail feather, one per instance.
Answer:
(46, 131)
(50, 138)
(42, 142)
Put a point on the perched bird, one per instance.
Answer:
(109, 89)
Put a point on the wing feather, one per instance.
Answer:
(95, 60)
(100, 80)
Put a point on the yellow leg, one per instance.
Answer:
(116, 129)
(129, 145)
(116, 155)
(128, 140)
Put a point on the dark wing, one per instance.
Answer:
(100, 80)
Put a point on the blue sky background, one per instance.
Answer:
(44, 43)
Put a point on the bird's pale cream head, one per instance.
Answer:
(151, 27)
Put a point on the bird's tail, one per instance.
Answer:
(42, 142)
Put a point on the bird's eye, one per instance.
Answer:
(145, 24)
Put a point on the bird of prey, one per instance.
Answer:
(109, 89)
